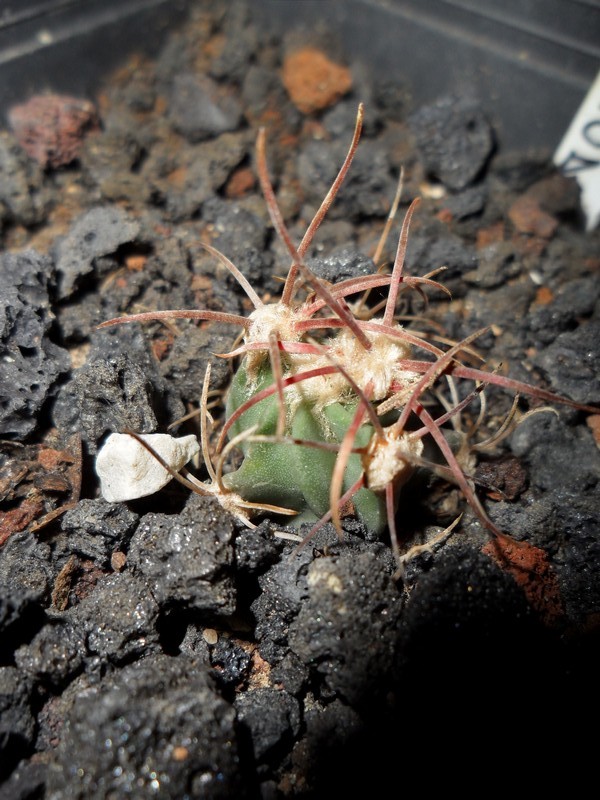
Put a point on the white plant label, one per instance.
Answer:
(578, 155)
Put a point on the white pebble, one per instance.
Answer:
(127, 470)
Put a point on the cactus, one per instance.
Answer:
(327, 404)
(292, 473)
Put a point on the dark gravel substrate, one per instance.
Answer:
(160, 649)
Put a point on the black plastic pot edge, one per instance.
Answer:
(529, 66)
(529, 73)
(71, 46)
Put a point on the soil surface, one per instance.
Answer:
(158, 648)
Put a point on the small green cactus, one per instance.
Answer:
(291, 473)
(327, 403)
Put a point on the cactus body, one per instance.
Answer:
(293, 475)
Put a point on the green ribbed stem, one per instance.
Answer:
(291, 475)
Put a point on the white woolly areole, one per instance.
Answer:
(128, 471)
(272, 318)
(267, 319)
(378, 366)
(391, 460)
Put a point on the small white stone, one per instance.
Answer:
(127, 470)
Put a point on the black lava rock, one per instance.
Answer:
(171, 705)
(346, 629)
(95, 529)
(432, 246)
(187, 561)
(368, 190)
(54, 656)
(17, 724)
(21, 198)
(572, 362)
(107, 396)
(30, 362)
(199, 110)
(341, 264)
(99, 232)
(454, 139)
(559, 456)
(118, 620)
(272, 717)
